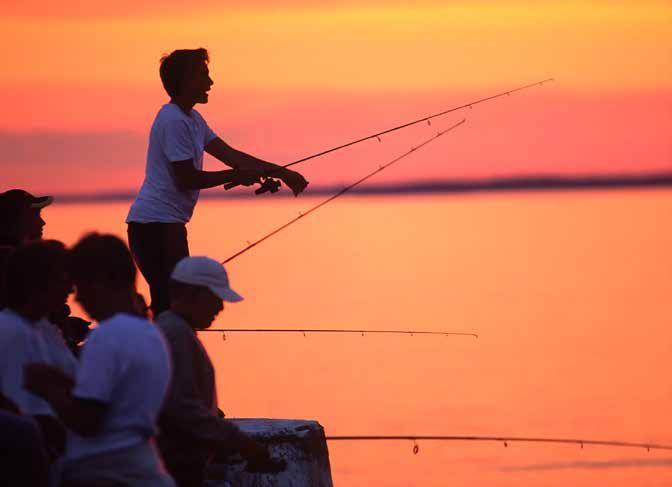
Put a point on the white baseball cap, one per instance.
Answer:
(206, 272)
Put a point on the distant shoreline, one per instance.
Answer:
(447, 186)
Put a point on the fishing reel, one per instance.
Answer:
(268, 184)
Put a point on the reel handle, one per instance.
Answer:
(268, 184)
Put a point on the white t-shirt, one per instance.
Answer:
(21, 343)
(59, 353)
(124, 364)
(175, 136)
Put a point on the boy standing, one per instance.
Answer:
(174, 173)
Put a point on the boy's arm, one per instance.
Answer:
(82, 403)
(178, 148)
(184, 408)
(187, 177)
(247, 163)
(237, 159)
(84, 417)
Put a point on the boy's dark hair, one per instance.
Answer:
(31, 267)
(177, 64)
(104, 259)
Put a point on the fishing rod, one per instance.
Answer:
(343, 191)
(271, 185)
(502, 439)
(224, 331)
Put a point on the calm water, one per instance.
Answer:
(570, 294)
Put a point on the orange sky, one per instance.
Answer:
(568, 292)
(294, 79)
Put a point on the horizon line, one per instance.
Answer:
(533, 183)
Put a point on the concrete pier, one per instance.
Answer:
(301, 443)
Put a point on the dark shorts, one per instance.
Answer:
(156, 248)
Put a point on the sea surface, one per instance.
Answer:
(569, 292)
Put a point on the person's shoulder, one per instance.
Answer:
(169, 113)
(9, 320)
(12, 330)
(197, 115)
(7, 314)
(122, 330)
(126, 320)
(48, 328)
(15, 334)
(120, 324)
(198, 118)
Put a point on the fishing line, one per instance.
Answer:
(274, 186)
(343, 191)
(505, 440)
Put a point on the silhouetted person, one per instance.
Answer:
(20, 221)
(38, 283)
(174, 172)
(191, 428)
(23, 452)
(113, 404)
(21, 217)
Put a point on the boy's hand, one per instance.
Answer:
(246, 177)
(40, 379)
(293, 180)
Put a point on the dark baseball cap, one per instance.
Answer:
(16, 200)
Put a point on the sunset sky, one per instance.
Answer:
(569, 292)
(81, 87)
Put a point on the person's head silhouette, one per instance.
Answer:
(20, 216)
(38, 278)
(185, 76)
(199, 288)
(104, 276)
